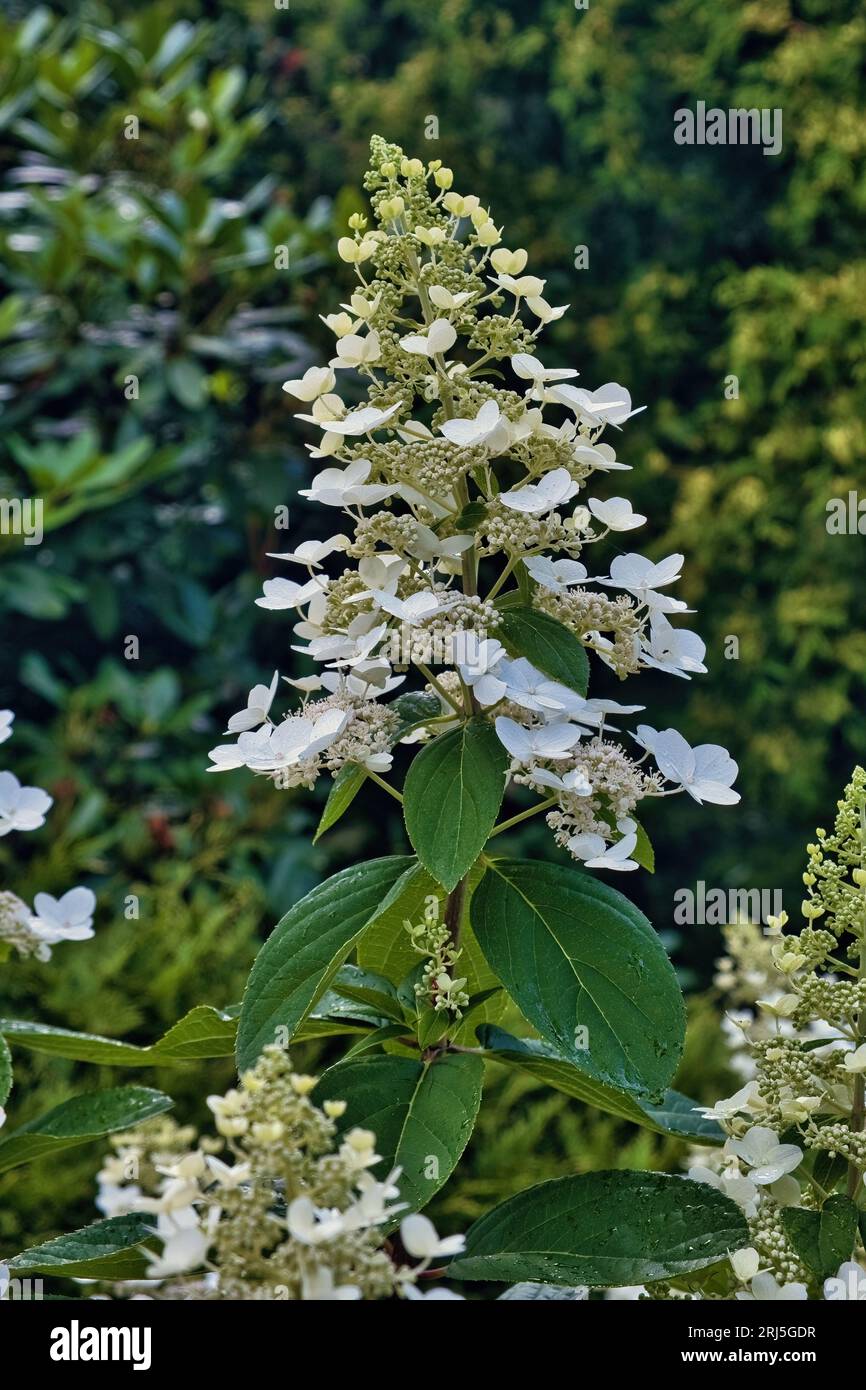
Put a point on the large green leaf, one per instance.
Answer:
(451, 798)
(603, 1230)
(306, 949)
(80, 1120)
(549, 645)
(386, 948)
(203, 1032)
(422, 1113)
(586, 969)
(675, 1115)
(106, 1250)
(823, 1239)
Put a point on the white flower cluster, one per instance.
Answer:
(800, 1037)
(461, 496)
(291, 1217)
(70, 918)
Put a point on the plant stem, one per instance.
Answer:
(386, 787)
(440, 689)
(523, 815)
(454, 910)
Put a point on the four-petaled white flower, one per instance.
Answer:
(607, 405)
(185, 1245)
(725, 1109)
(426, 545)
(285, 593)
(596, 853)
(616, 513)
(259, 702)
(740, 1190)
(673, 649)
(600, 457)
(421, 1239)
(488, 427)
(575, 781)
(768, 1160)
(444, 299)
(361, 421)
(706, 772)
(524, 365)
(347, 487)
(315, 382)
(413, 609)
(536, 499)
(766, 1289)
(440, 337)
(355, 351)
(21, 808)
(642, 578)
(551, 741)
(312, 553)
(69, 918)
(555, 574)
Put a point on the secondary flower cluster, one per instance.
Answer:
(801, 1020)
(294, 1216)
(458, 480)
(70, 918)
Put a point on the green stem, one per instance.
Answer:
(440, 689)
(454, 910)
(523, 815)
(386, 787)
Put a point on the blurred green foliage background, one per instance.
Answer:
(157, 260)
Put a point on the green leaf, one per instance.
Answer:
(586, 969)
(203, 1032)
(389, 1032)
(344, 788)
(80, 1120)
(5, 1070)
(548, 644)
(412, 709)
(643, 852)
(106, 1250)
(187, 382)
(676, 1115)
(307, 947)
(365, 987)
(422, 1113)
(471, 516)
(823, 1239)
(451, 798)
(604, 1230)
